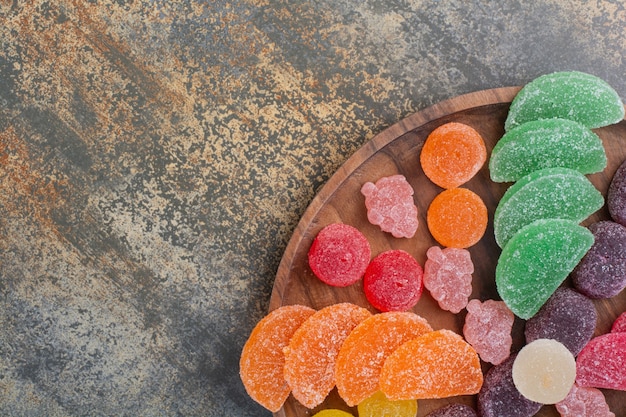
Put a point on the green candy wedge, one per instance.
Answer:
(572, 95)
(546, 143)
(559, 193)
(537, 260)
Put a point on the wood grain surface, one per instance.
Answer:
(396, 151)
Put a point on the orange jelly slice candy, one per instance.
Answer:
(439, 364)
(312, 352)
(363, 354)
(457, 218)
(262, 358)
(452, 154)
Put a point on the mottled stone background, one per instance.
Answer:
(156, 155)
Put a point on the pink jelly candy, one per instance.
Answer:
(390, 205)
(448, 277)
(584, 402)
(619, 325)
(488, 329)
(602, 362)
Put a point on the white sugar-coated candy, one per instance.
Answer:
(544, 371)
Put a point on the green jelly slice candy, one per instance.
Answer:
(551, 193)
(572, 95)
(537, 260)
(543, 144)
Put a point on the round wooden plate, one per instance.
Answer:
(396, 151)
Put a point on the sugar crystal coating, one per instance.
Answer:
(619, 325)
(332, 412)
(602, 362)
(584, 402)
(453, 410)
(448, 277)
(488, 329)
(616, 195)
(568, 317)
(390, 205)
(377, 405)
(572, 95)
(499, 397)
(548, 143)
(602, 271)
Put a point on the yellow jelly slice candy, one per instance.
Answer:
(333, 412)
(379, 406)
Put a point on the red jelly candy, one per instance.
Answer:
(390, 205)
(619, 325)
(339, 255)
(393, 281)
(602, 362)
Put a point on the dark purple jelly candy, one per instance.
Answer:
(453, 410)
(616, 196)
(602, 271)
(567, 317)
(498, 396)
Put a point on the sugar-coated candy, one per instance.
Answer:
(448, 277)
(453, 410)
(602, 362)
(262, 358)
(332, 412)
(572, 95)
(390, 205)
(547, 143)
(393, 281)
(312, 351)
(584, 402)
(551, 193)
(438, 364)
(377, 405)
(488, 329)
(544, 371)
(536, 260)
(363, 353)
(457, 218)
(452, 154)
(602, 271)
(616, 195)
(619, 325)
(568, 317)
(499, 397)
(339, 255)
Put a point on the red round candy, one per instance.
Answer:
(393, 281)
(339, 255)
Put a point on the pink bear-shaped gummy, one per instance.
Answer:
(488, 329)
(390, 205)
(448, 277)
(584, 402)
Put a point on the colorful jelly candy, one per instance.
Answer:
(438, 364)
(453, 410)
(377, 405)
(332, 412)
(568, 317)
(602, 362)
(488, 329)
(452, 154)
(390, 205)
(536, 260)
(362, 355)
(551, 193)
(262, 358)
(619, 325)
(448, 277)
(499, 397)
(602, 272)
(584, 402)
(544, 371)
(616, 195)
(339, 255)
(457, 218)
(393, 281)
(312, 351)
(572, 95)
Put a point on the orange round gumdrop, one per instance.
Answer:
(452, 154)
(438, 364)
(457, 218)
(364, 351)
(262, 358)
(312, 352)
